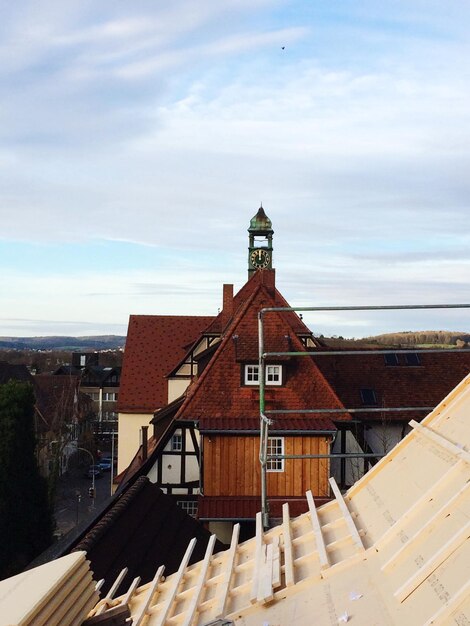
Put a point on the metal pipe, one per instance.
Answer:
(264, 420)
(364, 410)
(362, 352)
(264, 425)
(347, 455)
(389, 307)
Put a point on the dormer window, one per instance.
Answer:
(273, 375)
(251, 374)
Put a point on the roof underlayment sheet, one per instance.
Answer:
(394, 549)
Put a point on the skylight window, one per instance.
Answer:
(412, 359)
(391, 359)
(369, 397)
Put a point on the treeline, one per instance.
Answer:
(98, 342)
(49, 361)
(423, 337)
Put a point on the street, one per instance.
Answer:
(73, 503)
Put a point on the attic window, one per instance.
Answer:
(177, 442)
(412, 359)
(251, 374)
(273, 375)
(391, 359)
(368, 396)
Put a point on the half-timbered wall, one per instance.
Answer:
(232, 468)
(178, 464)
(180, 380)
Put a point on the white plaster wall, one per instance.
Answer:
(176, 387)
(354, 467)
(383, 437)
(223, 530)
(129, 425)
(171, 468)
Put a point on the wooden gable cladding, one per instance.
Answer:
(232, 468)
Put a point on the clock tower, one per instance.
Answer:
(260, 250)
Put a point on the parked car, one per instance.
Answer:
(105, 464)
(93, 470)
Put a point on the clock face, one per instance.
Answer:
(260, 258)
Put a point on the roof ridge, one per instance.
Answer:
(92, 537)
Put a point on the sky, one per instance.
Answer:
(138, 139)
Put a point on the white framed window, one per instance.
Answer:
(275, 446)
(273, 375)
(190, 506)
(251, 374)
(109, 396)
(177, 442)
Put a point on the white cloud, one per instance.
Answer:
(167, 124)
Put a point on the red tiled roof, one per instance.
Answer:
(400, 385)
(141, 530)
(219, 393)
(246, 507)
(154, 346)
(283, 424)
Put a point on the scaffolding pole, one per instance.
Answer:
(265, 421)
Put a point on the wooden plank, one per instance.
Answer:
(139, 617)
(265, 587)
(175, 583)
(433, 563)
(223, 590)
(316, 527)
(289, 572)
(117, 615)
(289, 467)
(435, 437)
(443, 614)
(257, 566)
(347, 515)
(196, 593)
(276, 567)
(105, 602)
(216, 469)
(297, 467)
(423, 532)
(415, 508)
(130, 592)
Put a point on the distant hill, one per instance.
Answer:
(421, 338)
(98, 342)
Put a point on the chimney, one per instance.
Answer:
(227, 304)
(268, 279)
(144, 443)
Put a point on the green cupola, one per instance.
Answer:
(260, 249)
